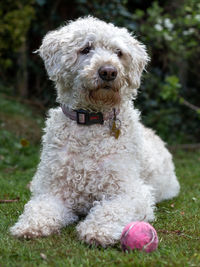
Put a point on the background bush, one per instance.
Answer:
(169, 97)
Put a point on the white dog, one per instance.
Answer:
(97, 158)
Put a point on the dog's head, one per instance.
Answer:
(95, 65)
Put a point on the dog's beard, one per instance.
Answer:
(105, 97)
(104, 94)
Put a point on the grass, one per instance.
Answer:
(177, 223)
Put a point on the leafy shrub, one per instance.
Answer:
(171, 33)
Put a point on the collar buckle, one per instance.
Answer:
(84, 117)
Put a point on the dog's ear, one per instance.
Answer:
(139, 58)
(50, 52)
(56, 52)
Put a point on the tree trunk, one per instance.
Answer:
(22, 73)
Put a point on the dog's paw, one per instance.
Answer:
(28, 232)
(94, 234)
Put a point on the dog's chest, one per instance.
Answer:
(86, 155)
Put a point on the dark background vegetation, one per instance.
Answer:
(169, 97)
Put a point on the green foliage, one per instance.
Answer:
(175, 29)
(171, 88)
(15, 19)
(171, 33)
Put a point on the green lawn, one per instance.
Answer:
(177, 221)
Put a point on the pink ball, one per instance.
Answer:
(139, 235)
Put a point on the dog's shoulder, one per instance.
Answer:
(55, 119)
(55, 124)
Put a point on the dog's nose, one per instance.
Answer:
(107, 73)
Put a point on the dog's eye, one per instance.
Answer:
(86, 50)
(119, 53)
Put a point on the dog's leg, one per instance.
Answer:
(43, 215)
(105, 222)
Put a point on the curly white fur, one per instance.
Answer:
(83, 169)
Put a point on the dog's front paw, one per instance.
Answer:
(95, 234)
(29, 232)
